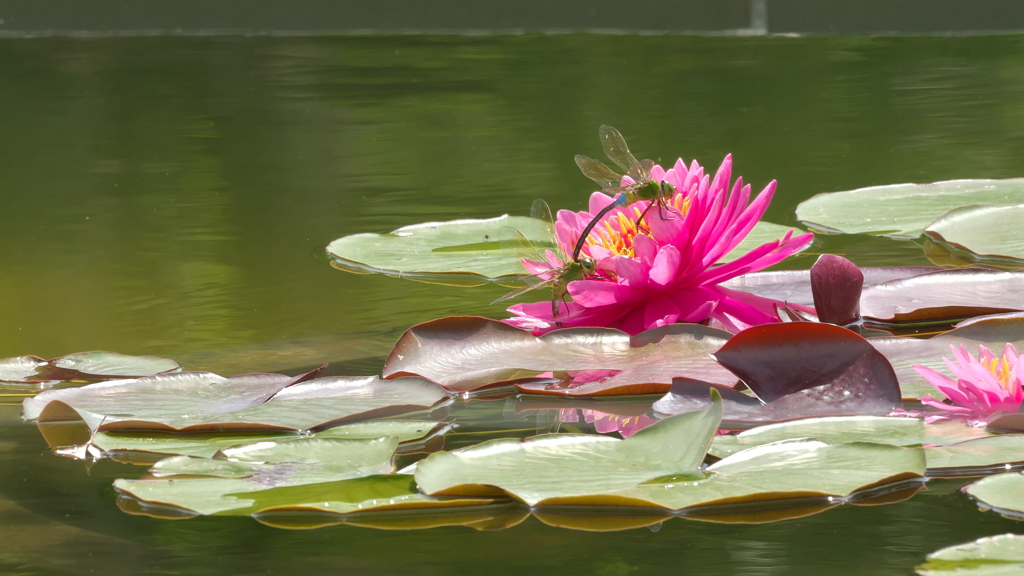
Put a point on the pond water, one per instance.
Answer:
(173, 196)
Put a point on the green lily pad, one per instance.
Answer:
(206, 445)
(546, 470)
(217, 486)
(372, 494)
(790, 469)
(831, 430)
(466, 252)
(989, 234)
(463, 252)
(1002, 492)
(1001, 555)
(902, 210)
(555, 468)
(205, 402)
(975, 457)
(951, 448)
(378, 512)
(332, 475)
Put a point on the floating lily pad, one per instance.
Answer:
(339, 476)
(482, 515)
(465, 353)
(23, 369)
(212, 486)
(96, 365)
(831, 430)
(951, 449)
(975, 457)
(780, 360)
(983, 233)
(201, 401)
(796, 370)
(1002, 492)
(206, 445)
(794, 286)
(164, 396)
(902, 210)
(796, 469)
(945, 295)
(903, 353)
(793, 470)
(1001, 555)
(576, 468)
(464, 252)
(601, 519)
(894, 295)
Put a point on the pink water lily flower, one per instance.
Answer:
(666, 270)
(980, 389)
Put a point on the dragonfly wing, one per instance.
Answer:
(598, 172)
(544, 227)
(539, 283)
(643, 174)
(516, 247)
(543, 223)
(528, 258)
(617, 151)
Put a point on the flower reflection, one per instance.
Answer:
(606, 423)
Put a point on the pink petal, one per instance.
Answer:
(660, 312)
(666, 264)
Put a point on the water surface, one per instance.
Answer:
(173, 196)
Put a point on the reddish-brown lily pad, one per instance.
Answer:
(796, 371)
(465, 353)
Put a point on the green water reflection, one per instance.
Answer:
(173, 196)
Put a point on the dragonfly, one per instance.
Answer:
(643, 187)
(555, 276)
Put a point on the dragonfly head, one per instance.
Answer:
(667, 189)
(588, 265)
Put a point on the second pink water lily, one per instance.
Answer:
(980, 389)
(667, 269)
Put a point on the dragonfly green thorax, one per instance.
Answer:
(643, 188)
(648, 190)
(574, 270)
(548, 269)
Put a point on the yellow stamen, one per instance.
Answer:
(1001, 369)
(680, 202)
(616, 233)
